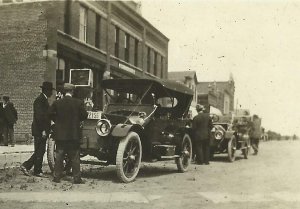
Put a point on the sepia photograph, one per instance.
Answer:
(149, 104)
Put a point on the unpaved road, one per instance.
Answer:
(269, 180)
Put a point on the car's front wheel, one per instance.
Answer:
(129, 157)
(51, 153)
(184, 160)
(231, 149)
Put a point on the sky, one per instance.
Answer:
(257, 41)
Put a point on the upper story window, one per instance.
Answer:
(98, 31)
(83, 24)
(148, 59)
(117, 35)
(155, 63)
(127, 46)
(162, 67)
(136, 52)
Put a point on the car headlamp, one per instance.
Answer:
(219, 135)
(103, 127)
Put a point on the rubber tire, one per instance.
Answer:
(51, 153)
(246, 150)
(179, 161)
(211, 153)
(231, 154)
(119, 158)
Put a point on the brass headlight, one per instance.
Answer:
(103, 127)
(219, 135)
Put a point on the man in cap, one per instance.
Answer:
(40, 130)
(10, 118)
(202, 126)
(67, 114)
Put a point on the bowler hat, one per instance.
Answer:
(47, 85)
(69, 86)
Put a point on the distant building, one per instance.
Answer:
(44, 40)
(219, 94)
(188, 78)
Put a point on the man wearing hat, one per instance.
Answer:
(10, 118)
(67, 114)
(202, 126)
(40, 130)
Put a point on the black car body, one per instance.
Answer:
(143, 120)
(230, 134)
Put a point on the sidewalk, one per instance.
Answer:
(14, 156)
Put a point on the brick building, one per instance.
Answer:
(43, 40)
(219, 95)
(188, 78)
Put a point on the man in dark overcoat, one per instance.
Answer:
(40, 130)
(67, 114)
(202, 126)
(255, 133)
(10, 118)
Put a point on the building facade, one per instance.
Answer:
(219, 95)
(44, 40)
(188, 78)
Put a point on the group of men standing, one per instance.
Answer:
(202, 125)
(67, 114)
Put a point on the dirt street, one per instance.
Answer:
(269, 180)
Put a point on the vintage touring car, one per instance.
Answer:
(230, 134)
(143, 120)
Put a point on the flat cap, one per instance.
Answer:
(69, 86)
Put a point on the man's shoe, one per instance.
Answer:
(207, 163)
(79, 181)
(39, 174)
(56, 180)
(24, 170)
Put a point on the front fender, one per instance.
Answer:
(122, 130)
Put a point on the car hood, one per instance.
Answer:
(120, 119)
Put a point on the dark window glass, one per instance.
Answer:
(127, 46)
(98, 31)
(148, 59)
(117, 34)
(155, 63)
(136, 51)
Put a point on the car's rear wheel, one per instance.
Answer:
(129, 157)
(245, 152)
(51, 156)
(184, 160)
(231, 149)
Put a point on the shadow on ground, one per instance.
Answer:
(109, 173)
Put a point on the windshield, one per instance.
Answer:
(171, 97)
